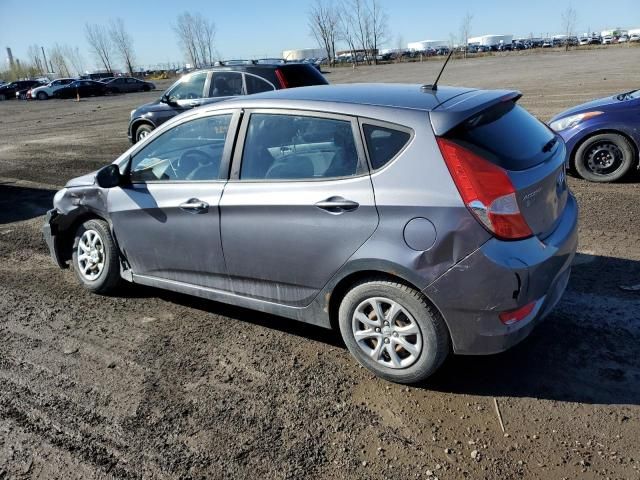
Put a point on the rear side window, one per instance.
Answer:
(383, 143)
(508, 135)
(301, 76)
(257, 84)
(226, 84)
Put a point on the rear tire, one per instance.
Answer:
(95, 257)
(416, 325)
(606, 157)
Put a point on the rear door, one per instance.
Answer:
(531, 153)
(299, 204)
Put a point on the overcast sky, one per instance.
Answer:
(258, 28)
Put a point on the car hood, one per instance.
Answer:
(155, 106)
(600, 103)
(83, 181)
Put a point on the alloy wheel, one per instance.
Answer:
(387, 333)
(91, 255)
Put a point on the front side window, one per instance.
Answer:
(190, 87)
(294, 147)
(189, 151)
(226, 84)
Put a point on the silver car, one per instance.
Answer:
(417, 222)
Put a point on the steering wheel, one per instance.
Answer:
(191, 161)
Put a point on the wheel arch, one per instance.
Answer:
(345, 284)
(66, 235)
(629, 138)
(137, 124)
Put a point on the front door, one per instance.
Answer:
(166, 220)
(299, 204)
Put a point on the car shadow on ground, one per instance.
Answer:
(587, 350)
(18, 202)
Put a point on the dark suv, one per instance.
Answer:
(219, 83)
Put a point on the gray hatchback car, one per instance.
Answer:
(417, 222)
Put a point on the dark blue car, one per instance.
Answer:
(602, 136)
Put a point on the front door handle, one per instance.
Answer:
(337, 205)
(194, 205)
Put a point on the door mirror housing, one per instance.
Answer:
(167, 99)
(109, 176)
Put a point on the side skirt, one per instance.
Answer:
(313, 314)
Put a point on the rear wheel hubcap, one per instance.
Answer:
(387, 333)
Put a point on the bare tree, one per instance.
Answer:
(379, 21)
(465, 31)
(205, 32)
(196, 36)
(59, 61)
(323, 23)
(34, 58)
(122, 42)
(75, 58)
(569, 19)
(100, 43)
(184, 29)
(346, 30)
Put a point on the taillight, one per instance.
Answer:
(486, 190)
(281, 78)
(514, 316)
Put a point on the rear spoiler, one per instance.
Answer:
(456, 110)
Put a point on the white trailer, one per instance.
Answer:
(491, 40)
(424, 45)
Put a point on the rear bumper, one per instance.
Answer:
(503, 276)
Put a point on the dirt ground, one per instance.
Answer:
(157, 385)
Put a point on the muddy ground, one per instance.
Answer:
(152, 384)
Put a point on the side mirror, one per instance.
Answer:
(167, 99)
(109, 176)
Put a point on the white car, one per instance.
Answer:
(634, 38)
(584, 41)
(623, 39)
(46, 91)
(608, 40)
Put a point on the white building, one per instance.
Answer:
(634, 31)
(491, 40)
(426, 44)
(303, 53)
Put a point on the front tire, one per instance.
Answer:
(392, 330)
(42, 96)
(606, 157)
(142, 131)
(95, 257)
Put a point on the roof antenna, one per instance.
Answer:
(434, 87)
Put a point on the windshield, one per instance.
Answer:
(633, 94)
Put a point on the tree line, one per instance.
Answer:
(361, 25)
(110, 44)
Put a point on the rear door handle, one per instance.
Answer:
(194, 205)
(337, 205)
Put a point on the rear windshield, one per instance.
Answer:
(508, 135)
(302, 76)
